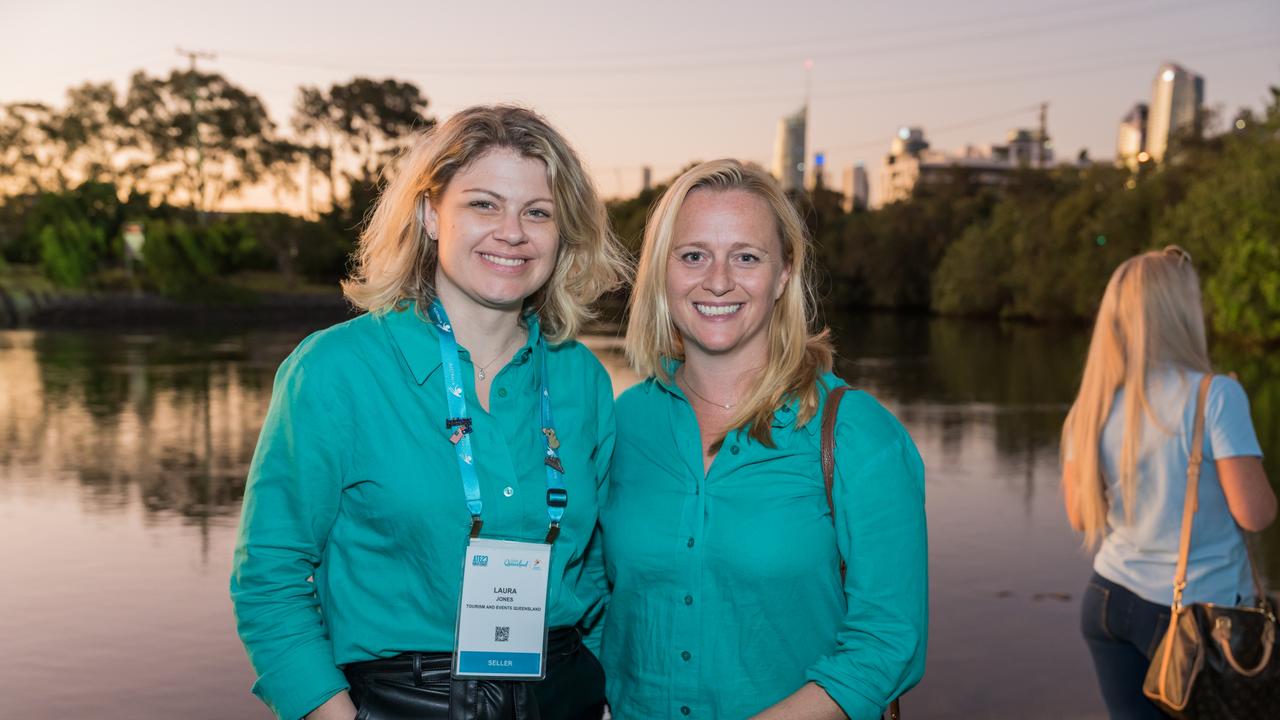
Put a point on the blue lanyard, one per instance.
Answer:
(460, 423)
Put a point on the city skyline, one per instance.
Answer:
(668, 84)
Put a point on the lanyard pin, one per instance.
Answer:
(552, 441)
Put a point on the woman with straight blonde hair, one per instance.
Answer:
(447, 444)
(722, 546)
(1125, 448)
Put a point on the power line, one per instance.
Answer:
(1044, 23)
(1058, 69)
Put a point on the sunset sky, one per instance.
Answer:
(664, 83)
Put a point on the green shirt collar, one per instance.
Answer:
(418, 339)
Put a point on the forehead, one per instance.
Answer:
(711, 215)
(505, 171)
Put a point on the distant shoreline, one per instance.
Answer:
(80, 309)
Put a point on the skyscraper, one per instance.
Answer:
(1132, 137)
(854, 188)
(1176, 98)
(788, 151)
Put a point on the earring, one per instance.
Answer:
(431, 237)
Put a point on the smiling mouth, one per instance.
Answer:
(717, 310)
(504, 261)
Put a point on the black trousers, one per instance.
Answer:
(417, 686)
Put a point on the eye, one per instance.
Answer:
(482, 204)
(748, 258)
(540, 213)
(692, 256)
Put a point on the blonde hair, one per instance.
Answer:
(1150, 316)
(797, 356)
(395, 260)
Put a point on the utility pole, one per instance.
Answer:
(1043, 140)
(198, 200)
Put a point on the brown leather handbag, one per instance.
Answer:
(1214, 662)
(828, 476)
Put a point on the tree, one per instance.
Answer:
(200, 158)
(29, 152)
(354, 129)
(93, 133)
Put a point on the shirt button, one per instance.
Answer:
(502, 392)
(508, 491)
(685, 655)
(690, 543)
(684, 710)
(688, 599)
(734, 449)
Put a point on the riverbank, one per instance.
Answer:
(28, 299)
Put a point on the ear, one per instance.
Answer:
(428, 216)
(782, 281)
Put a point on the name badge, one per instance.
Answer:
(502, 618)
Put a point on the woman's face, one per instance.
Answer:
(496, 228)
(724, 273)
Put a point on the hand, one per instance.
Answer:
(338, 707)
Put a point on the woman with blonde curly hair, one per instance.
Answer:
(722, 544)
(1126, 444)
(457, 413)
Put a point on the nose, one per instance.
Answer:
(510, 229)
(719, 278)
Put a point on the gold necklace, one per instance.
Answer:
(704, 398)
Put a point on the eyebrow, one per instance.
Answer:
(736, 246)
(500, 197)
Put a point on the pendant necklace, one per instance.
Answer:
(705, 399)
(481, 369)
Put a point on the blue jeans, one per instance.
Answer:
(1122, 631)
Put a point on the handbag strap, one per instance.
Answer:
(1191, 503)
(828, 457)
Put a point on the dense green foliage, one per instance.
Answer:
(1043, 246)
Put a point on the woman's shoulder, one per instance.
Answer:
(862, 420)
(638, 403)
(331, 349)
(573, 359)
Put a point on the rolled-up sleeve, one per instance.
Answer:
(290, 503)
(881, 533)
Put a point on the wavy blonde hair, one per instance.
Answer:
(395, 260)
(798, 356)
(1151, 315)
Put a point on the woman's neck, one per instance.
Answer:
(722, 378)
(483, 331)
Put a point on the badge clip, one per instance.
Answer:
(461, 426)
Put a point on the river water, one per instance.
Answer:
(123, 455)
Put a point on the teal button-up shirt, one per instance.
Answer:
(355, 520)
(726, 584)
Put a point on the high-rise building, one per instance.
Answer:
(911, 163)
(1177, 96)
(646, 177)
(854, 188)
(789, 151)
(1131, 140)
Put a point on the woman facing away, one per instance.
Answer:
(723, 553)
(1125, 448)
(458, 409)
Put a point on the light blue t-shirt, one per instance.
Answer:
(1142, 555)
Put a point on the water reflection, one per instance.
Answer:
(123, 459)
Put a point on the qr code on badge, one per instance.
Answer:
(502, 633)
